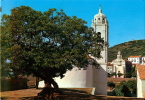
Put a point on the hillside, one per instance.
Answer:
(131, 48)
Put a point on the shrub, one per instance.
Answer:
(111, 84)
(132, 85)
(126, 88)
(119, 74)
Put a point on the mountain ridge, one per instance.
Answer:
(131, 48)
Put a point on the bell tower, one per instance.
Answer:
(100, 26)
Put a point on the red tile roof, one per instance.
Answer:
(141, 70)
(109, 64)
(134, 56)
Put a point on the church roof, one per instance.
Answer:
(100, 14)
(134, 56)
(141, 71)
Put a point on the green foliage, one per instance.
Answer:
(111, 84)
(113, 74)
(118, 89)
(47, 44)
(5, 46)
(128, 75)
(132, 73)
(132, 85)
(126, 88)
(119, 74)
(109, 75)
(131, 48)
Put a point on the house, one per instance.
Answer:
(110, 67)
(141, 81)
(135, 59)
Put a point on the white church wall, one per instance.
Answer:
(74, 78)
(139, 86)
(99, 80)
(77, 78)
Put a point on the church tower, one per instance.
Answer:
(100, 26)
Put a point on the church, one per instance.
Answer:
(90, 77)
(119, 65)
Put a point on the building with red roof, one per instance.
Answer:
(135, 59)
(141, 81)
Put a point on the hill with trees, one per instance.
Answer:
(131, 48)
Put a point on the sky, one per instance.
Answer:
(126, 17)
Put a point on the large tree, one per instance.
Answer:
(5, 44)
(47, 44)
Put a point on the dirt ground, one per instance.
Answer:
(19, 94)
(30, 94)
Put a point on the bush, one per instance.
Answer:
(109, 75)
(132, 85)
(113, 74)
(119, 74)
(111, 85)
(128, 75)
(126, 88)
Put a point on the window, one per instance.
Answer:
(98, 18)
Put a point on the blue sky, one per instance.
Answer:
(126, 17)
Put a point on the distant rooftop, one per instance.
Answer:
(141, 71)
(134, 56)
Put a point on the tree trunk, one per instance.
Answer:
(50, 81)
(48, 89)
(37, 82)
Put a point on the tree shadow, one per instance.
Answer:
(67, 94)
